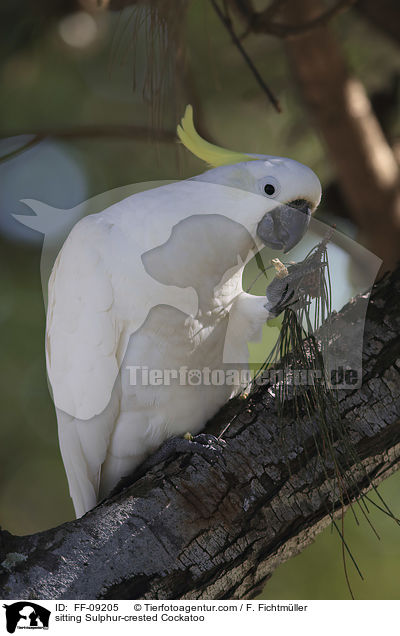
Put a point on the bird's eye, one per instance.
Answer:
(270, 186)
(269, 189)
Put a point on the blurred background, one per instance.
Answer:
(92, 91)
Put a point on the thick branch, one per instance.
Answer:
(263, 23)
(189, 529)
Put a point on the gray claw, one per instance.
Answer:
(208, 446)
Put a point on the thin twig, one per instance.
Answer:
(227, 23)
(26, 146)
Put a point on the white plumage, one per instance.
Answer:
(155, 281)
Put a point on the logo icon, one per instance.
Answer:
(26, 615)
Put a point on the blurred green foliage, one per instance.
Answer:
(51, 86)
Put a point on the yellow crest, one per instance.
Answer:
(211, 154)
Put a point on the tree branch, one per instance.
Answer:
(142, 133)
(263, 21)
(123, 131)
(363, 160)
(236, 41)
(191, 529)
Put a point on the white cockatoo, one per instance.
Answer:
(147, 295)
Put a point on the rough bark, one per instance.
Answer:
(193, 529)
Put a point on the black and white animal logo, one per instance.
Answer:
(26, 615)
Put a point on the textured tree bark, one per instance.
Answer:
(190, 529)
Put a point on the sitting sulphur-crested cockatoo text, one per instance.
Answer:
(152, 286)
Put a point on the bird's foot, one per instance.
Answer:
(208, 446)
(203, 444)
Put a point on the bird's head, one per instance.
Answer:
(292, 191)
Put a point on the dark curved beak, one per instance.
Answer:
(284, 226)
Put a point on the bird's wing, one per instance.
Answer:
(82, 333)
(82, 339)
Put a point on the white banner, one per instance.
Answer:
(153, 617)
